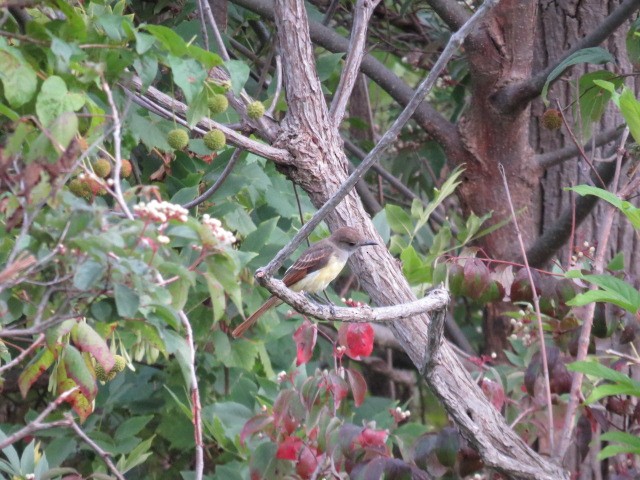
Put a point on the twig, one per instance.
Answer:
(604, 228)
(218, 183)
(195, 396)
(583, 154)
(536, 303)
(153, 95)
(106, 456)
(222, 49)
(117, 154)
(550, 159)
(23, 354)
(278, 91)
(363, 11)
(203, 24)
(36, 424)
(626, 356)
(390, 135)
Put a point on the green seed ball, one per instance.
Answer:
(80, 189)
(215, 139)
(178, 139)
(102, 167)
(101, 374)
(218, 103)
(120, 363)
(552, 119)
(255, 110)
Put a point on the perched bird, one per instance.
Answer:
(318, 266)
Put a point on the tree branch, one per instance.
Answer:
(361, 16)
(517, 96)
(451, 12)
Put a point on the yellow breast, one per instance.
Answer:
(319, 280)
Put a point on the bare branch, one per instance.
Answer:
(361, 16)
(117, 144)
(168, 107)
(235, 156)
(23, 354)
(106, 456)
(517, 96)
(551, 159)
(536, 303)
(451, 12)
(195, 396)
(435, 300)
(604, 229)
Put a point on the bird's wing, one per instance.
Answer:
(312, 259)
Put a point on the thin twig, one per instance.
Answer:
(583, 154)
(387, 139)
(195, 396)
(23, 354)
(536, 303)
(278, 91)
(218, 183)
(363, 11)
(203, 24)
(117, 153)
(106, 456)
(604, 228)
(222, 49)
(36, 424)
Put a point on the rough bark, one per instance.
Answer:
(560, 24)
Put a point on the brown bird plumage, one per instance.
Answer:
(315, 269)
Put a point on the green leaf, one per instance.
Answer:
(198, 108)
(328, 64)
(399, 220)
(137, 456)
(593, 99)
(630, 108)
(146, 67)
(609, 390)
(17, 76)
(617, 262)
(613, 290)
(627, 208)
(169, 39)
(131, 427)
(54, 99)
(633, 44)
(77, 369)
(88, 340)
(189, 75)
(36, 367)
(143, 42)
(239, 73)
(413, 267)
(87, 274)
(127, 300)
(595, 369)
(594, 55)
(612, 450)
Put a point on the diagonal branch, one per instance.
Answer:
(362, 14)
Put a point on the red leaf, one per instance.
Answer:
(358, 386)
(307, 462)
(337, 386)
(494, 392)
(254, 425)
(36, 367)
(88, 340)
(305, 337)
(289, 448)
(357, 338)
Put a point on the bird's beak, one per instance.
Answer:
(366, 243)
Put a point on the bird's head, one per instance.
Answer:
(350, 239)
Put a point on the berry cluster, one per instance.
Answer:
(222, 235)
(162, 212)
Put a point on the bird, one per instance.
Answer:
(316, 267)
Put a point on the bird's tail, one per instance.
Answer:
(244, 326)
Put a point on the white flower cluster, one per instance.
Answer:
(161, 211)
(222, 235)
(404, 414)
